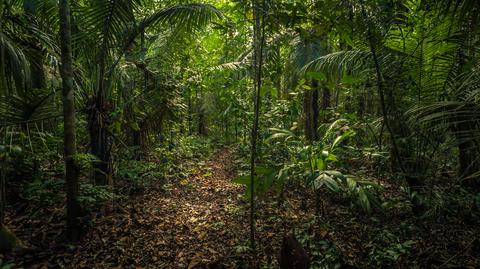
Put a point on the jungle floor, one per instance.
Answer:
(201, 221)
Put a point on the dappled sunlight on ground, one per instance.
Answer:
(187, 223)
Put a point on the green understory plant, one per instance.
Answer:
(313, 167)
(92, 197)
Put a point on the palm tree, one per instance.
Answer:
(25, 40)
(306, 47)
(23, 99)
(428, 64)
(115, 27)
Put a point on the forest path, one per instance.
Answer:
(189, 223)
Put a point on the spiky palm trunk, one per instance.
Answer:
(99, 142)
(98, 124)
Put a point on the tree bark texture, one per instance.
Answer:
(71, 168)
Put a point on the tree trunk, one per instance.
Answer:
(137, 133)
(381, 90)
(361, 105)
(99, 145)
(98, 123)
(307, 114)
(311, 112)
(137, 143)
(326, 96)
(189, 113)
(202, 128)
(71, 168)
(315, 109)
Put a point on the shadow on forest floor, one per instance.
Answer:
(196, 222)
(201, 221)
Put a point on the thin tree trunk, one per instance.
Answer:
(137, 134)
(311, 112)
(326, 96)
(71, 168)
(3, 83)
(189, 112)
(258, 41)
(383, 105)
(37, 70)
(202, 128)
(307, 111)
(137, 143)
(361, 105)
(315, 109)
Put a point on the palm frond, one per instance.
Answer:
(15, 63)
(342, 62)
(183, 17)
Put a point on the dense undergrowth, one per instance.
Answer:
(37, 207)
(354, 215)
(389, 226)
(168, 160)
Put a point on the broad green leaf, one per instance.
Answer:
(244, 179)
(363, 200)
(351, 183)
(328, 181)
(321, 165)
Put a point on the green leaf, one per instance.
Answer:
(244, 179)
(369, 183)
(134, 126)
(334, 173)
(351, 183)
(278, 133)
(306, 87)
(326, 180)
(331, 157)
(263, 170)
(340, 138)
(363, 200)
(321, 165)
